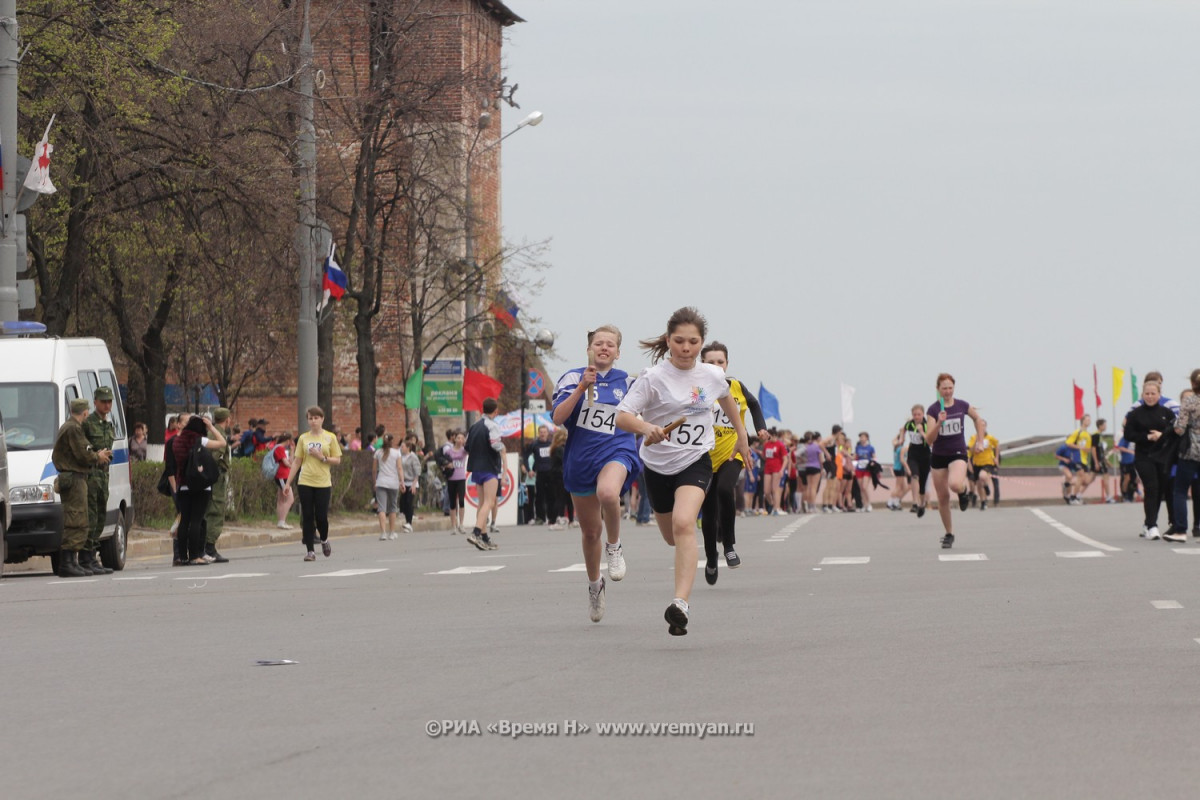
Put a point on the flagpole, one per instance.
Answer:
(9, 300)
(306, 233)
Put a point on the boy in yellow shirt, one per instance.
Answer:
(985, 457)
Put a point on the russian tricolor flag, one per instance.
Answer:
(333, 284)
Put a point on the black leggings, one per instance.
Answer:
(190, 535)
(720, 509)
(918, 465)
(314, 513)
(406, 505)
(457, 493)
(1156, 488)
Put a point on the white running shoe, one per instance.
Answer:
(283, 526)
(616, 562)
(407, 529)
(596, 602)
(393, 535)
(868, 508)
(1152, 532)
(383, 537)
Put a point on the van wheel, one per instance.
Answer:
(112, 549)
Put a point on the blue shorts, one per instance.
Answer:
(480, 478)
(580, 479)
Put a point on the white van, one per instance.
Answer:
(41, 377)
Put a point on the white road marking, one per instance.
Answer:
(466, 570)
(577, 568)
(137, 578)
(838, 560)
(344, 573)
(963, 557)
(1081, 554)
(782, 534)
(1163, 605)
(1076, 535)
(508, 555)
(222, 577)
(73, 580)
(1187, 551)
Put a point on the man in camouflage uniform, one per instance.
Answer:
(98, 428)
(214, 516)
(74, 458)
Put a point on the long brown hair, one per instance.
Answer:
(657, 347)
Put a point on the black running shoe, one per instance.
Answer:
(948, 541)
(731, 558)
(920, 511)
(710, 576)
(677, 620)
(963, 501)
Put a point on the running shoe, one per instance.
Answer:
(310, 556)
(492, 528)
(920, 511)
(407, 529)
(914, 508)
(983, 505)
(557, 527)
(616, 562)
(393, 536)
(710, 575)
(283, 526)
(677, 619)
(868, 508)
(488, 544)
(1196, 531)
(383, 537)
(1175, 535)
(732, 560)
(596, 602)
(963, 500)
(326, 548)
(1152, 532)
(474, 540)
(948, 541)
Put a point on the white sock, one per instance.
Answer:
(679, 601)
(595, 585)
(611, 547)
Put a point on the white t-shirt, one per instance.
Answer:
(387, 474)
(664, 393)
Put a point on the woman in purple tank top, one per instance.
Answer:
(948, 459)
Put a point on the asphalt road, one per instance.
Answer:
(1027, 671)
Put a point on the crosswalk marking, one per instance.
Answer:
(577, 568)
(1187, 551)
(344, 573)
(840, 560)
(1163, 605)
(963, 557)
(196, 577)
(1081, 554)
(466, 570)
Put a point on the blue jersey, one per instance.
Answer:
(593, 438)
(864, 454)
(1126, 458)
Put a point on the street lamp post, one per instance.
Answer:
(470, 346)
(544, 340)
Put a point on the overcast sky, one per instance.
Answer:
(870, 192)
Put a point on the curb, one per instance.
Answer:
(147, 542)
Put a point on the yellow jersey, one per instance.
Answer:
(725, 441)
(988, 457)
(1084, 440)
(313, 471)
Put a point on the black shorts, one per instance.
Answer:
(661, 488)
(812, 470)
(937, 461)
(1127, 469)
(980, 469)
(1100, 468)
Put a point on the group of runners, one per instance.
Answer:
(682, 422)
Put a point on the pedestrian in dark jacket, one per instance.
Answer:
(1147, 426)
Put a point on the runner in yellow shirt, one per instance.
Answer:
(985, 457)
(316, 450)
(1081, 440)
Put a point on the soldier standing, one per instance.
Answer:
(98, 428)
(74, 458)
(214, 517)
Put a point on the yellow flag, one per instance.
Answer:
(1118, 383)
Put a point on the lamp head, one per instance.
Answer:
(533, 119)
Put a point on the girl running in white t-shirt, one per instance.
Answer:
(677, 464)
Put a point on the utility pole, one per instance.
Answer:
(8, 145)
(306, 233)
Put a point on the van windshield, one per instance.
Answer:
(30, 415)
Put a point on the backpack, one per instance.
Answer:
(269, 465)
(445, 463)
(246, 446)
(201, 472)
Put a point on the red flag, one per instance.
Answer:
(1078, 401)
(477, 387)
(1096, 386)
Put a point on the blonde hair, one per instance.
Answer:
(613, 329)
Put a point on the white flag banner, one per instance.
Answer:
(847, 405)
(38, 179)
